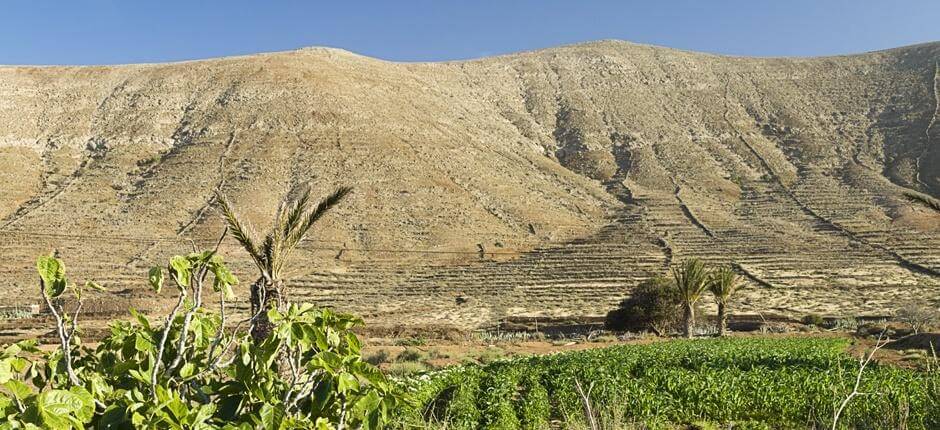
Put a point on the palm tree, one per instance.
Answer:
(293, 220)
(691, 280)
(723, 283)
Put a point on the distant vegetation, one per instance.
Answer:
(665, 305)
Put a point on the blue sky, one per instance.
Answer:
(129, 31)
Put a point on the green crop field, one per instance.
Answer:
(753, 383)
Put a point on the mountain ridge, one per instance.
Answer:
(587, 44)
(540, 183)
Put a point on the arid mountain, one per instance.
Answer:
(541, 183)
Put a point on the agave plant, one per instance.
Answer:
(292, 222)
(723, 283)
(691, 281)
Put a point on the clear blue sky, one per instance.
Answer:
(130, 31)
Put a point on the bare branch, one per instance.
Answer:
(197, 286)
(586, 402)
(163, 339)
(863, 363)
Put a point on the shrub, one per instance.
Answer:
(917, 315)
(377, 358)
(814, 320)
(187, 371)
(410, 341)
(405, 368)
(490, 355)
(654, 305)
(411, 355)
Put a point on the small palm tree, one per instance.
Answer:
(723, 283)
(293, 220)
(691, 281)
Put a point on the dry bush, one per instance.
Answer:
(917, 315)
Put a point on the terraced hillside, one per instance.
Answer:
(541, 183)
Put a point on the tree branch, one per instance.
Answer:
(863, 363)
(65, 339)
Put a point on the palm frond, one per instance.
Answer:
(297, 209)
(277, 251)
(723, 283)
(313, 216)
(243, 232)
(691, 279)
(267, 253)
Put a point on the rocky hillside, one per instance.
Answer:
(541, 183)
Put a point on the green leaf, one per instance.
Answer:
(224, 279)
(18, 389)
(179, 268)
(6, 370)
(187, 370)
(156, 279)
(11, 350)
(227, 292)
(87, 410)
(93, 286)
(200, 258)
(62, 409)
(142, 344)
(347, 383)
(52, 272)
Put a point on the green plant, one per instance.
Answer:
(405, 368)
(411, 355)
(723, 283)
(691, 281)
(411, 341)
(489, 355)
(757, 383)
(814, 320)
(188, 372)
(377, 357)
(653, 305)
(292, 222)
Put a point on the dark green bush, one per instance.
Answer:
(654, 305)
(814, 320)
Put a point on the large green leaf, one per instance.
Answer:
(61, 409)
(180, 269)
(18, 389)
(52, 272)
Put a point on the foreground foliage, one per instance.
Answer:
(754, 383)
(189, 373)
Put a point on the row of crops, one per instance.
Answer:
(760, 383)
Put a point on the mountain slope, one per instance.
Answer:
(578, 171)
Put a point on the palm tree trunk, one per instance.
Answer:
(689, 320)
(722, 319)
(264, 297)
